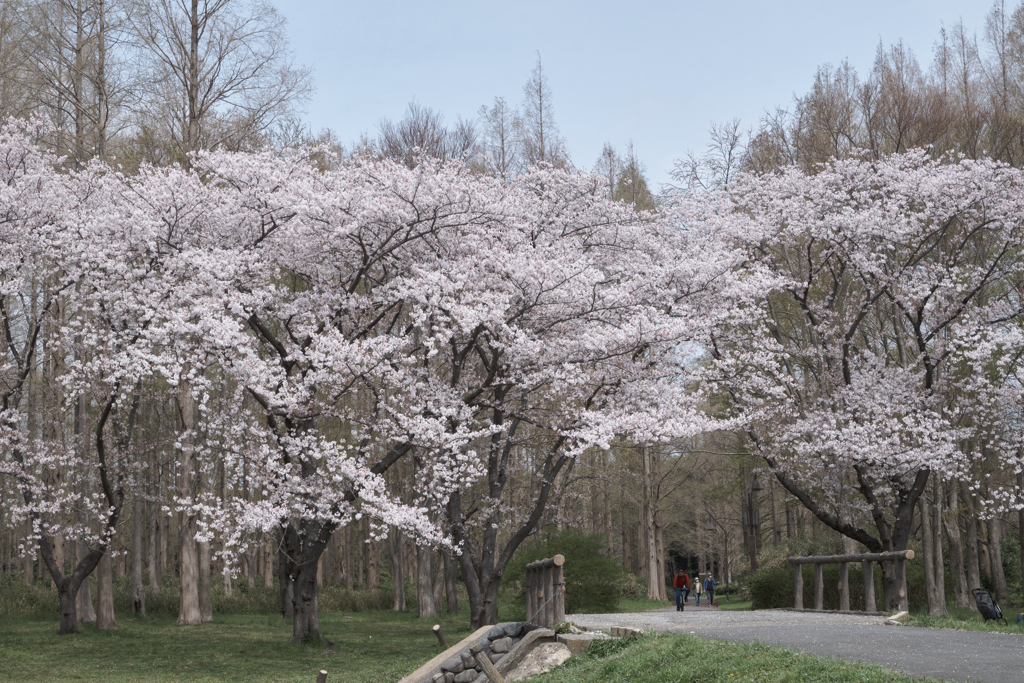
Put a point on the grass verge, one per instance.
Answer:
(371, 647)
(736, 605)
(642, 604)
(966, 619)
(670, 658)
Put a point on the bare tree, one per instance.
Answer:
(718, 165)
(422, 132)
(608, 166)
(539, 137)
(631, 182)
(500, 145)
(220, 71)
(76, 68)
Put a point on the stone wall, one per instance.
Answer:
(457, 665)
(500, 640)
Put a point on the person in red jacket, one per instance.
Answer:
(681, 583)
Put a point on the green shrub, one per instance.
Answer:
(593, 581)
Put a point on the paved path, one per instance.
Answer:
(933, 652)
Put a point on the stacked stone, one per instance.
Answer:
(463, 668)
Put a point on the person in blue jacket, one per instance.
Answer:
(709, 588)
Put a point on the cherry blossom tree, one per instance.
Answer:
(70, 272)
(857, 372)
(377, 312)
(354, 318)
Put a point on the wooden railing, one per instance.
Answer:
(545, 591)
(866, 560)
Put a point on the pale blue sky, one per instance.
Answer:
(655, 72)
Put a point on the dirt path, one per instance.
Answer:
(936, 653)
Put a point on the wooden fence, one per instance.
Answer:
(545, 591)
(866, 560)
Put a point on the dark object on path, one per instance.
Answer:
(987, 606)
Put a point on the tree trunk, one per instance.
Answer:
(350, 539)
(86, 612)
(188, 568)
(105, 619)
(961, 596)
(995, 538)
(188, 576)
(1020, 523)
(58, 556)
(303, 546)
(654, 590)
(268, 564)
(609, 529)
(138, 591)
(973, 569)
(776, 529)
(306, 626)
(68, 596)
(928, 559)
(287, 585)
(940, 569)
(659, 541)
(425, 582)
(372, 553)
(152, 553)
(205, 598)
(894, 585)
(28, 559)
(450, 582)
(397, 569)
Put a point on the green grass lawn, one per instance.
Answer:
(684, 658)
(736, 605)
(370, 647)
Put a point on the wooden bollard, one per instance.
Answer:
(321, 677)
(485, 664)
(819, 588)
(440, 637)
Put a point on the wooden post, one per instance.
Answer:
(530, 597)
(321, 677)
(485, 664)
(844, 587)
(440, 637)
(545, 596)
(869, 586)
(901, 568)
(548, 611)
(798, 587)
(819, 587)
(559, 588)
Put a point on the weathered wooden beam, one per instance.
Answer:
(860, 557)
(485, 664)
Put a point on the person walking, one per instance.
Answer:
(697, 588)
(681, 582)
(709, 588)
